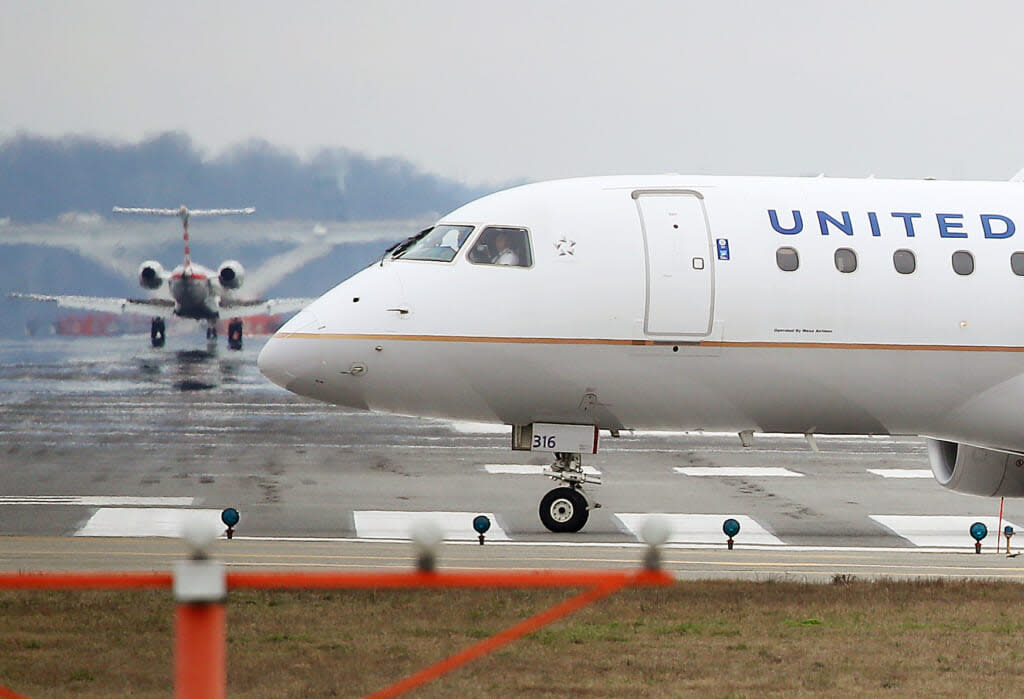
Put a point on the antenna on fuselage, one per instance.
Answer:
(184, 213)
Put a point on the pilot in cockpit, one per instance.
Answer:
(506, 255)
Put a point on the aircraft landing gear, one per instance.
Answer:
(211, 333)
(565, 509)
(235, 334)
(157, 332)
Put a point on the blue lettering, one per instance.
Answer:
(846, 226)
(986, 224)
(908, 221)
(950, 228)
(798, 223)
(873, 219)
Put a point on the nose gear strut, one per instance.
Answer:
(565, 509)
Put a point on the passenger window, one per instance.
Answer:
(787, 259)
(502, 246)
(846, 260)
(438, 244)
(963, 263)
(1017, 263)
(904, 261)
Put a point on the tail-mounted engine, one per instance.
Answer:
(231, 274)
(975, 470)
(151, 274)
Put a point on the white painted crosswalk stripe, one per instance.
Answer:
(902, 472)
(96, 500)
(702, 529)
(944, 531)
(144, 521)
(737, 471)
(528, 469)
(389, 524)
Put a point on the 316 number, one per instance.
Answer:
(543, 441)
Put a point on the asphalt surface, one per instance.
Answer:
(106, 445)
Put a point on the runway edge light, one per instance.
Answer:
(230, 518)
(978, 532)
(730, 528)
(481, 523)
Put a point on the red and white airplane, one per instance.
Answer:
(187, 291)
(746, 304)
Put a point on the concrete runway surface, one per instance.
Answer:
(107, 445)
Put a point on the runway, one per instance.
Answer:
(108, 444)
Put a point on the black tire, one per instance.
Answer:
(157, 332)
(235, 335)
(564, 510)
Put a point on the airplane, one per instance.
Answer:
(193, 291)
(744, 304)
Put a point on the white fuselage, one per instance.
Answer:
(659, 302)
(195, 291)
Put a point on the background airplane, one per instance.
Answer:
(189, 290)
(743, 304)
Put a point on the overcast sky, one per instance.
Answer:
(488, 92)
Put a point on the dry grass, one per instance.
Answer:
(708, 639)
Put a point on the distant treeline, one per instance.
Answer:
(41, 178)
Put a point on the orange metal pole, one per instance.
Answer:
(8, 694)
(442, 579)
(82, 581)
(200, 655)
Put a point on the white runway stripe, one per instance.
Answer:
(457, 526)
(943, 530)
(527, 469)
(151, 521)
(96, 500)
(902, 472)
(702, 529)
(738, 471)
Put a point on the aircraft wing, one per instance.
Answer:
(259, 306)
(101, 303)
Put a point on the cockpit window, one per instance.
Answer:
(439, 244)
(502, 246)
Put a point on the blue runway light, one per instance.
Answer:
(731, 527)
(481, 524)
(230, 516)
(979, 531)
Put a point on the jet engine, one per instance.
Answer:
(151, 274)
(231, 274)
(976, 470)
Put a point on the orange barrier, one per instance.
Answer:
(200, 665)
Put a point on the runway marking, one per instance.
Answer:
(528, 469)
(902, 472)
(702, 529)
(398, 525)
(942, 530)
(738, 471)
(97, 500)
(144, 522)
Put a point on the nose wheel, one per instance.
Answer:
(564, 510)
(235, 334)
(157, 332)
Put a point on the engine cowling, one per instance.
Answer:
(976, 470)
(151, 274)
(231, 274)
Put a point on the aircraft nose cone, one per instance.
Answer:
(274, 362)
(278, 360)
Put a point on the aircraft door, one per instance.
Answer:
(680, 283)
